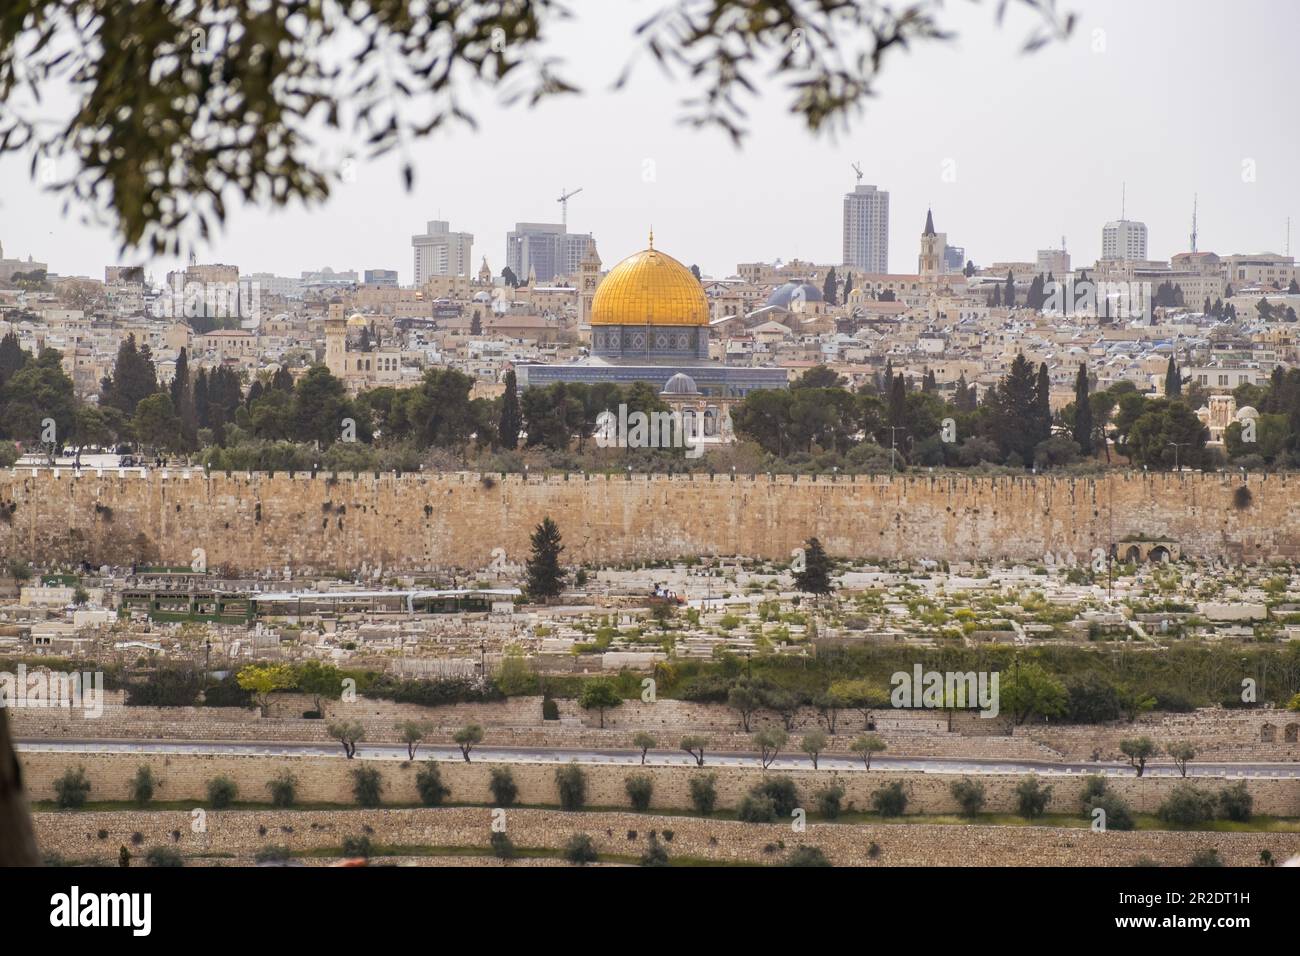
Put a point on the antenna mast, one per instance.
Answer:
(1194, 203)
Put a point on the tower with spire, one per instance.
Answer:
(588, 279)
(933, 244)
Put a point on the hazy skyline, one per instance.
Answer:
(1012, 151)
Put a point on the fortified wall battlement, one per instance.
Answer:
(416, 522)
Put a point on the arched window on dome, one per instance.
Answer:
(710, 421)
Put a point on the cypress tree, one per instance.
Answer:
(1173, 380)
(510, 421)
(1082, 411)
(1043, 403)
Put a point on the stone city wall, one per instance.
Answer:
(241, 833)
(326, 780)
(261, 522)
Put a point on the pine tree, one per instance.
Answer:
(545, 576)
(1009, 296)
(476, 324)
(1082, 433)
(815, 578)
(511, 421)
(897, 401)
(848, 286)
(997, 296)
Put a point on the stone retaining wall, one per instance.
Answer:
(75, 836)
(328, 780)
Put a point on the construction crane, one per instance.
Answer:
(565, 196)
(857, 169)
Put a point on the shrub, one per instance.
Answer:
(829, 801)
(571, 782)
(503, 848)
(781, 791)
(354, 846)
(890, 800)
(1187, 806)
(704, 793)
(367, 786)
(580, 850)
(969, 795)
(756, 808)
(640, 788)
(275, 853)
(1032, 797)
(1208, 857)
(550, 710)
(163, 856)
(1094, 786)
(502, 785)
(284, 789)
(807, 856)
(428, 782)
(221, 792)
(655, 854)
(1236, 803)
(1118, 814)
(71, 789)
(142, 786)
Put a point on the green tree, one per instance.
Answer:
(694, 745)
(511, 419)
(599, 694)
(429, 785)
(643, 742)
(156, 423)
(813, 743)
(71, 789)
(1173, 379)
(348, 733)
(467, 738)
(1032, 797)
(1138, 750)
(704, 792)
(411, 732)
(133, 379)
(1187, 806)
(1082, 430)
(581, 850)
(367, 786)
(769, 741)
(866, 745)
(1028, 690)
(262, 680)
(815, 578)
(969, 794)
(571, 784)
(502, 784)
(640, 788)
(143, 785)
(1181, 752)
(545, 576)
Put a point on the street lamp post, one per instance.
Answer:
(893, 443)
(1177, 445)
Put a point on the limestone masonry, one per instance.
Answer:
(254, 522)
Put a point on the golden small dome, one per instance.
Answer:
(357, 320)
(650, 288)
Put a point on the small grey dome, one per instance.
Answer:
(681, 384)
(792, 291)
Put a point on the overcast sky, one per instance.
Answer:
(1171, 96)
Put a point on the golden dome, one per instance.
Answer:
(357, 320)
(650, 288)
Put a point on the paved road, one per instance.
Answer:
(657, 758)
